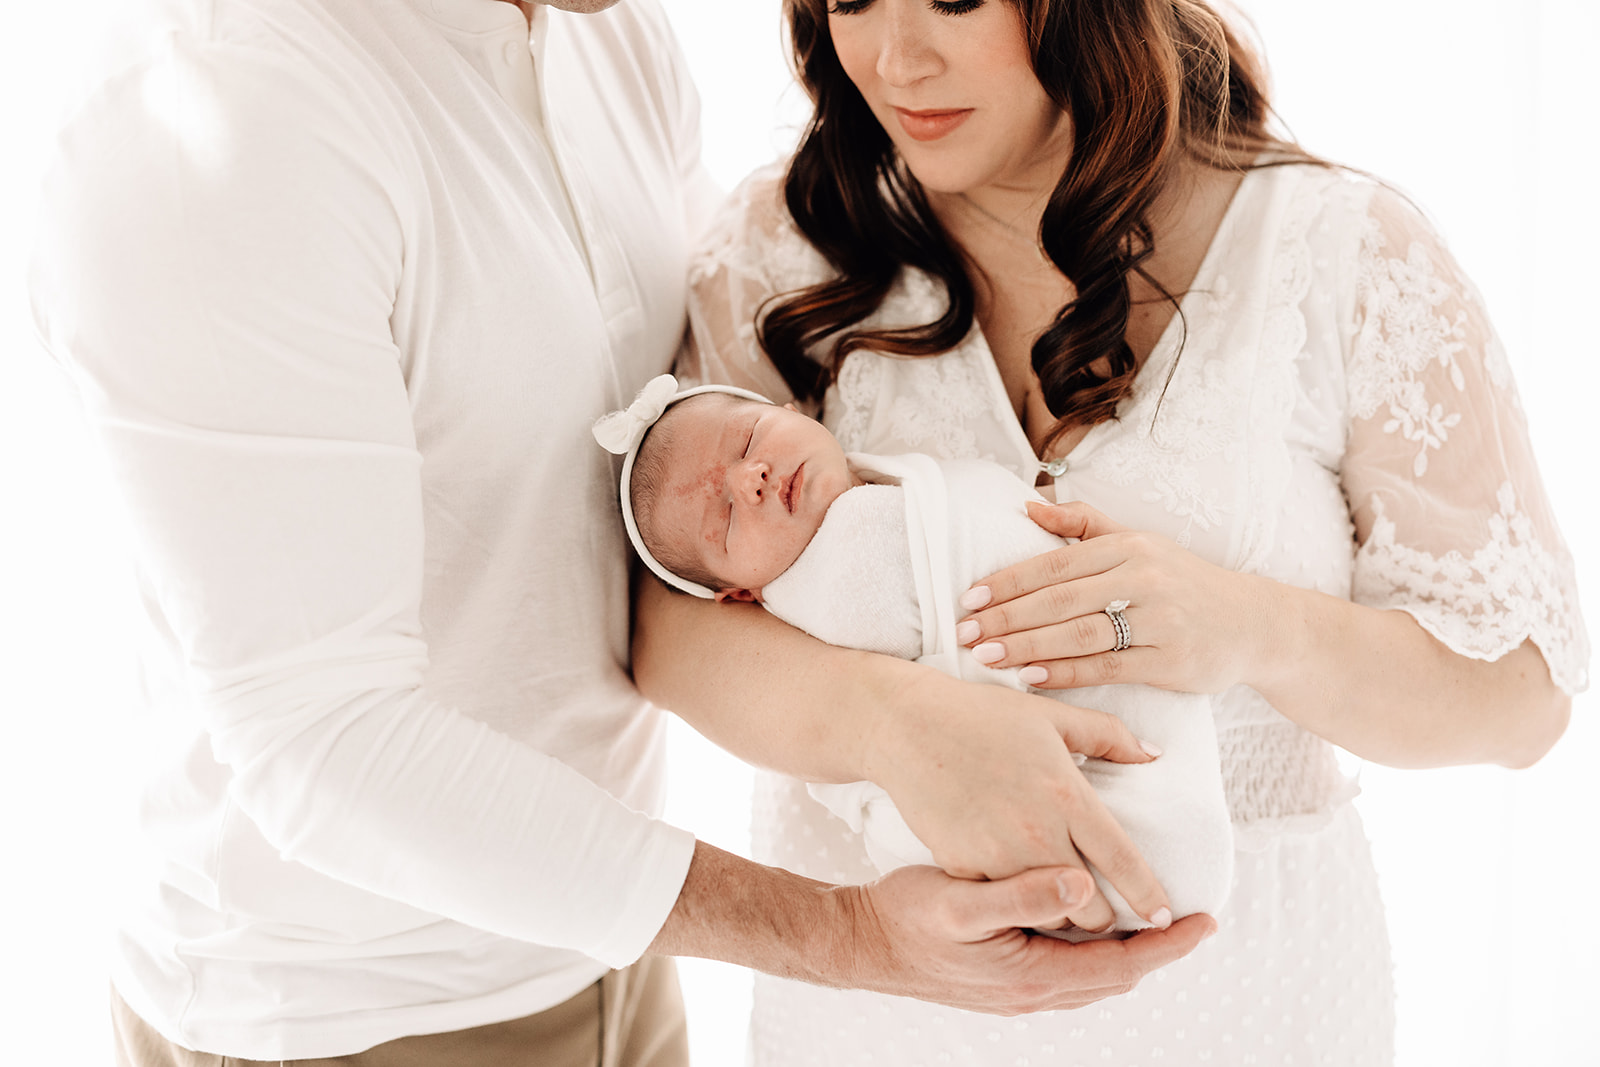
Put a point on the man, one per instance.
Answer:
(343, 285)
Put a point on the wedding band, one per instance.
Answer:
(1113, 611)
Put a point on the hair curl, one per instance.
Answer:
(1148, 85)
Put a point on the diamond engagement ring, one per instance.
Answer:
(1113, 611)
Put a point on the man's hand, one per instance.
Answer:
(916, 932)
(920, 933)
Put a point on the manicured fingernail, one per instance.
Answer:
(989, 652)
(968, 631)
(1033, 675)
(1149, 750)
(1162, 918)
(976, 597)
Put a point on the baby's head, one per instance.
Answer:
(726, 490)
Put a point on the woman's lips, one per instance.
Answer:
(930, 125)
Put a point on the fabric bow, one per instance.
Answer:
(619, 431)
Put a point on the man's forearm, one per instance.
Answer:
(779, 693)
(916, 932)
(764, 918)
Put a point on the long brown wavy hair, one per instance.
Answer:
(1149, 85)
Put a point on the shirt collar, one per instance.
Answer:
(484, 16)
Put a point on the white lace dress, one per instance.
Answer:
(1342, 418)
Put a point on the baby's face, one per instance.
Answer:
(747, 486)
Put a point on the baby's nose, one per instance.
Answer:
(752, 481)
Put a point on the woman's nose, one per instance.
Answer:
(751, 481)
(906, 55)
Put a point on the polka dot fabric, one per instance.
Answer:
(1298, 974)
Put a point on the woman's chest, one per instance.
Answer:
(1227, 445)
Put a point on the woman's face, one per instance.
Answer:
(953, 85)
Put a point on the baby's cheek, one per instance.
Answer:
(706, 485)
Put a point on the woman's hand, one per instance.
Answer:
(1193, 626)
(984, 775)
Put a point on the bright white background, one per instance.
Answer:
(1484, 111)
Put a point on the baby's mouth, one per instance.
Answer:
(791, 492)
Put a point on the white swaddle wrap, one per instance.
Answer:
(883, 574)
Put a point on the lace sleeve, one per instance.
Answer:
(750, 252)
(1452, 522)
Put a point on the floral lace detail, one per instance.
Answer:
(848, 409)
(1192, 419)
(930, 404)
(934, 416)
(751, 252)
(1406, 330)
(1485, 604)
(933, 412)
(1272, 404)
(753, 239)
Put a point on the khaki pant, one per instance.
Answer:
(630, 1018)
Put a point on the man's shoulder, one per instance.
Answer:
(212, 53)
(297, 73)
(141, 25)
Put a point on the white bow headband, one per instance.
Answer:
(621, 433)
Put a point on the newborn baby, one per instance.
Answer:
(728, 496)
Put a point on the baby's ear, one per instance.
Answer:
(744, 596)
(791, 407)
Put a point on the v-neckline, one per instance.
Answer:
(1162, 353)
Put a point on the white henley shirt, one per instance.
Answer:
(342, 284)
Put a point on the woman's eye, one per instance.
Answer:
(943, 7)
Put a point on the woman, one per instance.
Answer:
(1057, 233)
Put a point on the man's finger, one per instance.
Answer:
(1041, 897)
(1112, 966)
(1150, 949)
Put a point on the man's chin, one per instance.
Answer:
(584, 7)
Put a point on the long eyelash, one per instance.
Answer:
(943, 7)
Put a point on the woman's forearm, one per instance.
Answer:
(982, 773)
(1379, 685)
(1372, 681)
